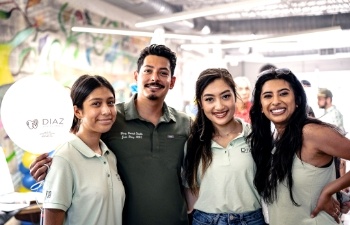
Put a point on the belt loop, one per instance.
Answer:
(216, 218)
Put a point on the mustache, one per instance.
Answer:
(155, 84)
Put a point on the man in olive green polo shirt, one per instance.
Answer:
(148, 139)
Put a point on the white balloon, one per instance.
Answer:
(37, 113)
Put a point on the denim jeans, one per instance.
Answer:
(247, 218)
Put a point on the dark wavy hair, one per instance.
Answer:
(81, 89)
(272, 169)
(158, 50)
(202, 130)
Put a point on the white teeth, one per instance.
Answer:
(277, 110)
(221, 114)
(154, 87)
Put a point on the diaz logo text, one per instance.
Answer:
(34, 124)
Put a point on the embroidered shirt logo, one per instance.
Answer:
(131, 135)
(245, 150)
(48, 194)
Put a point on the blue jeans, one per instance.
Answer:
(248, 218)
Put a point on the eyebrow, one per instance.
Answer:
(162, 68)
(100, 99)
(269, 92)
(224, 92)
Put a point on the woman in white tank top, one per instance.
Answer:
(295, 171)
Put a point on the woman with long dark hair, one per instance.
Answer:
(218, 167)
(295, 172)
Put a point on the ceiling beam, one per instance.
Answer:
(208, 11)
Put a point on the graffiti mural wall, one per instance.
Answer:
(36, 39)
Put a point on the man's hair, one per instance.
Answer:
(158, 50)
(305, 83)
(267, 67)
(324, 92)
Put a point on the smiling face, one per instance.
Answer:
(98, 113)
(218, 102)
(278, 101)
(154, 78)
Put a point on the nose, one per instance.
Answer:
(154, 76)
(106, 109)
(219, 105)
(275, 100)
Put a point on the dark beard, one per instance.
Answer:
(322, 106)
(152, 97)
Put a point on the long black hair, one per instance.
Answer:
(81, 89)
(271, 169)
(202, 130)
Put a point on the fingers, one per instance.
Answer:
(315, 212)
(336, 214)
(332, 207)
(336, 203)
(38, 159)
(40, 166)
(41, 176)
(336, 218)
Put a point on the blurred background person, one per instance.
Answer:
(309, 111)
(267, 66)
(331, 114)
(243, 103)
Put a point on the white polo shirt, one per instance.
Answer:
(227, 185)
(85, 185)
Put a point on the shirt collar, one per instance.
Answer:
(246, 129)
(131, 111)
(329, 109)
(80, 146)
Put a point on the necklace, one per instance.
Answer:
(226, 135)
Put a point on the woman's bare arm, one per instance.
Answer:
(53, 216)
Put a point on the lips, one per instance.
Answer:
(278, 111)
(105, 121)
(154, 86)
(220, 114)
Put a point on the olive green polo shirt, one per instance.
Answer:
(149, 163)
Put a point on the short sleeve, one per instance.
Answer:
(59, 185)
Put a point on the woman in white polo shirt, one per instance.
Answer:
(83, 185)
(218, 167)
